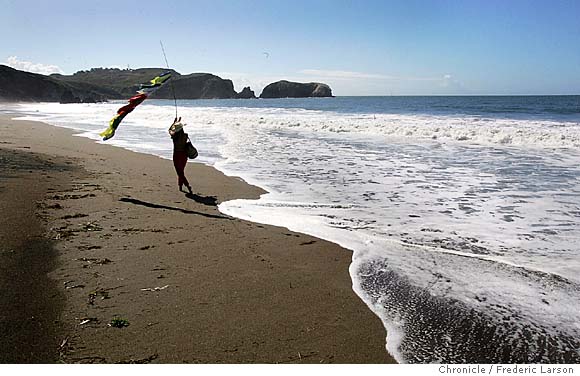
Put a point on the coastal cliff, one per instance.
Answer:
(101, 84)
(198, 86)
(16, 85)
(126, 82)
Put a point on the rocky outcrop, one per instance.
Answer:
(246, 93)
(287, 89)
(16, 85)
(121, 83)
(125, 82)
(100, 84)
(197, 86)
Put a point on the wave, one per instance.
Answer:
(532, 133)
(425, 326)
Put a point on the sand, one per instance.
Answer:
(92, 234)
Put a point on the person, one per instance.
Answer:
(180, 138)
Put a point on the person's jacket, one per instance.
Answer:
(180, 141)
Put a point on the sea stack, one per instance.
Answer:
(246, 93)
(287, 89)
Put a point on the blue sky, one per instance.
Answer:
(358, 47)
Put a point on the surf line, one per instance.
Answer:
(463, 254)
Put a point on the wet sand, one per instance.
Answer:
(30, 302)
(119, 241)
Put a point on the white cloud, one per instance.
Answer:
(348, 75)
(337, 74)
(28, 66)
(451, 82)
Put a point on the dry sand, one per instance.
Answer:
(118, 240)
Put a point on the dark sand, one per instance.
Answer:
(118, 240)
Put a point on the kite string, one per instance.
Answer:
(170, 80)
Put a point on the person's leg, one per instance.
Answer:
(179, 169)
(184, 179)
(180, 161)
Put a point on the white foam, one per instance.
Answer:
(444, 128)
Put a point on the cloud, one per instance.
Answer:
(451, 82)
(348, 75)
(28, 66)
(337, 74)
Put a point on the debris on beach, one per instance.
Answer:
(88, 320)
(63, 343)
(68, 286)
(61, 197)
(135, 230)
(104, 294)
(96, 261)
(88, 247)
(145, 360)
(117, 322)
(63, 347)
(90, 226)
(61, 233)
(155, 288)
(72, 216)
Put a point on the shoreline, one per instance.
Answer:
(195, 286)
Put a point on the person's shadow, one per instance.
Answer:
(205, 200)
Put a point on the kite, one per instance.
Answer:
(144, 91)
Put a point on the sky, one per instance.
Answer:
(364, 47)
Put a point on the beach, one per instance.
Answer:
(455, 220)
(95, 237)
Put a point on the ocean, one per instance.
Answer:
(462, 213)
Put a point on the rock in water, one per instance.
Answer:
(287, 89)
(246, 93)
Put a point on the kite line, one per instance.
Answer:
(170, 82)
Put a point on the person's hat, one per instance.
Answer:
(175, 127)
